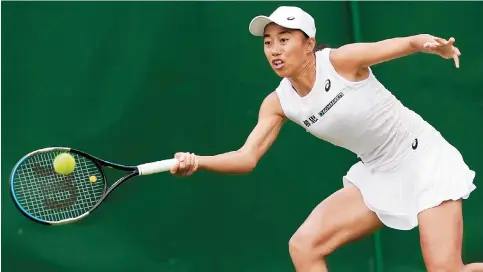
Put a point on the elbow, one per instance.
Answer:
(251, 165)
(249, 162)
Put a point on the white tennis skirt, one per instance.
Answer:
(429, 175)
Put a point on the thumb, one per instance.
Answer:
(174, 168)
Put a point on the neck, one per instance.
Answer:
(304, 79)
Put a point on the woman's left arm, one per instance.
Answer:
(357, 56)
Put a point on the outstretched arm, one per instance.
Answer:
(243, 160)
(358, 56)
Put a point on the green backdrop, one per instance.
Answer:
(135, 82)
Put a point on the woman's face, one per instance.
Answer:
(286, 49)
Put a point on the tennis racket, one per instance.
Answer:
(50, 198)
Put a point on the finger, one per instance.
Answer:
(457, 51)
(189, 164)
(451, 40)
(195, 164)
(192, 164)
(182, 162)
(174, 168)
(456, 60)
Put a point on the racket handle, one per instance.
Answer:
(156, 167)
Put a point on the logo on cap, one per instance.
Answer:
(290, 18)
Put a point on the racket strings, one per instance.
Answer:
(44, 194)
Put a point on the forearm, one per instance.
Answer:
(360, 55)
(235, 162)
(245, 159)
(398, 47)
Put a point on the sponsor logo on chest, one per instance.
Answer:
(315, 117)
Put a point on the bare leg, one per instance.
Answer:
(341, 218)
(441, 237)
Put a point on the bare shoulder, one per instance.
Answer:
(271, 106)
(345, 66)
(336, 56)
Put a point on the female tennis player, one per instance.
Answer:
(409, 175)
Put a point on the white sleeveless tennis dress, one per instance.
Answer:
(406, 165)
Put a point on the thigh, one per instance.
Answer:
(341, 218)
(441, 236)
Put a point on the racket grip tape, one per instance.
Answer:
(156, 167)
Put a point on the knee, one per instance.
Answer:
(305, 246)
(299, 246)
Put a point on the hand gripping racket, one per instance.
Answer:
(50, 198)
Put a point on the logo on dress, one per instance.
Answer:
(331, 103)
(290, 18)
(415, 144)
(312, 119)
(327, 85)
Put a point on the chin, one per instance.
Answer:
(281, 72)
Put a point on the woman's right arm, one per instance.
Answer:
(243, 160)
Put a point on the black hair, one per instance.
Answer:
(318, 46)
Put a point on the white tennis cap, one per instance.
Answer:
(289, 17)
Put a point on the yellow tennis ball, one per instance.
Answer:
(92, 178)
(64, 164)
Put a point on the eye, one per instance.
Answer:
(267, 42)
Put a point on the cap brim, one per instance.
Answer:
(258, 24)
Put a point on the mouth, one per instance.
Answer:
(278, 63)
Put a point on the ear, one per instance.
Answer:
(309, 45)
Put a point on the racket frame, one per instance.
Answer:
(99, 163)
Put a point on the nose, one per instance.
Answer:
(276, 50)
